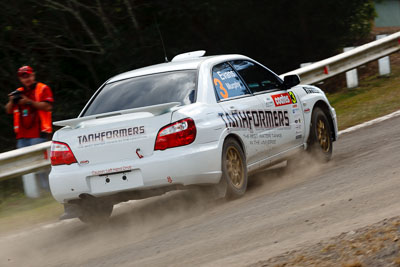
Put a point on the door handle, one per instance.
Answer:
(269, 103)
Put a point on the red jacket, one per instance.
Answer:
(41, 93)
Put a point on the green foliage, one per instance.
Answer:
(376, 97)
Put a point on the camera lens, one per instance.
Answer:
(16, 96)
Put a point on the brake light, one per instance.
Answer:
(61, 154)
(176, 134)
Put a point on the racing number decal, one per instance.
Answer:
(292, 96)
(223, 91)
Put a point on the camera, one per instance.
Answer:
(17, 95)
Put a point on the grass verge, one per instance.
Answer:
(18, 211)
(376, 96)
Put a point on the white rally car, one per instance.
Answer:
(192, 121)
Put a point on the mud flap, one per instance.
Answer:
(71, 211)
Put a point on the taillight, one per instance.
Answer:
(61, 154)
(179, 133)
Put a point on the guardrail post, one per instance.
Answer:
(384, 63)
(351, 75)
(31, 187)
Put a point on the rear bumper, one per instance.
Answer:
(193, 164)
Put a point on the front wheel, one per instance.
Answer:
(320, 141)
(234, 169)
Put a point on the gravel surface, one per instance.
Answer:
(375, 245)
(283, 210)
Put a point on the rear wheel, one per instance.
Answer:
(94, 211)
(320, 141)
(234, 169)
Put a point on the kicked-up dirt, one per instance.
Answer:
(284, 209)
(375, 245)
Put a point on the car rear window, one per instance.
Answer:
(143, 91)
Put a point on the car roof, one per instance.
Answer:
(186, 64)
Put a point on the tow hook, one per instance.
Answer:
(138, 153)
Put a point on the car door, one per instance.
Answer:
(239, 106)
(282, 127)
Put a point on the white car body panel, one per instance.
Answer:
(116, 154)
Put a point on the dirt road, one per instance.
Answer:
(282, 210)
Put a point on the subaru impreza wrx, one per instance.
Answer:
(193, 121)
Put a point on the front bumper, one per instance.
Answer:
(335, 123)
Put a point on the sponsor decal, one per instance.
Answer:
(109, 135)
(223, 93)
(299, 136)
(307, 110)
(282, 99)
(311, 90)
(226, 74)
(264, 138)
(293, 97)
(256, 119)
(84, 162)
(169, 179)
(227, 83)
(112, 170)
(233, 86)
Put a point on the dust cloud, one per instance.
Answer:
(285, 175)
(74, 243)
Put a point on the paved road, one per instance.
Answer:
(281, 211)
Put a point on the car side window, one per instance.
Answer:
(257, 78)
(227, 83)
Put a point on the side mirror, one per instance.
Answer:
(291, 80)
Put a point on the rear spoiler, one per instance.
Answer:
(155, 110)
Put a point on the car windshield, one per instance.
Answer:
(143, 91)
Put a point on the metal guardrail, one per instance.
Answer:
(361, 55)
(30, 159)
(24, 160)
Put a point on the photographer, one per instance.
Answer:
(31, 107)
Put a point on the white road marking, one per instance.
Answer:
(371, 122)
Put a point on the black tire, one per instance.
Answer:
(320, 142)
(234, 169)
(95, 212)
